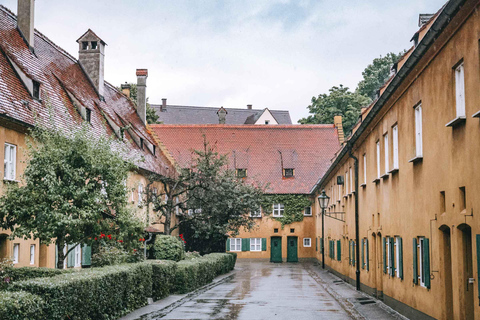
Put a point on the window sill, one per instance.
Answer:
(345, 196)
(376, 180)
(393, 171)
(385, 176)
(308, 215)
(363, 185)
(476, 115)
(456, 121)
(416, 159)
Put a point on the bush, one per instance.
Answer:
(21, 305)
(163, 277)
(192, 255)
(169, 248)
(11, 274)
(108, 255)
(99, 293)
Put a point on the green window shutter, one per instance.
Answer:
(228, 244)
(478, 262)
(384, 255)
(246, 244)
(368, 257)
(71, 257)
(392, 255)
(400, 257)
(415, 272)
(264, 244)
(86, 255)
(333, 249)
(426, 262)
(363, 255)
(339, 250)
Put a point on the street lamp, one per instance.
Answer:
(323, 202)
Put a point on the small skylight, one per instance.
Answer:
(288, 172)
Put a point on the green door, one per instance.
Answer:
(276, 249)
(292, 249)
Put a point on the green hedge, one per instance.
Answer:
(163, 276)
(99, 293)
(169, 248)
(21, 306)
(11, 274)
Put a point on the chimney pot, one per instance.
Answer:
(25, 20)
(164, 105)
(142, 75)
(249, 106)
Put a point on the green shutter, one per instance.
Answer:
(264, 244)
(415, 272)
(426, 262)
(384, 255)
(246, 244)
(400, 257)
(368, 256)
(354, 252)
(228, 244)
(86, 255)
(350, 252)
(71, 256)
(339, 250)
(363, 257)
(478, 263)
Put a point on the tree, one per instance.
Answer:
(376, 74)
(152, 117)
(73, 190)
(339, 101)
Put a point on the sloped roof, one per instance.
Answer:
(174, 114)
(261, 150)
(62, 78)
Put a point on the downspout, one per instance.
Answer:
(145, 245)
(357, 227)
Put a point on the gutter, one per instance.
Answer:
(440, 23)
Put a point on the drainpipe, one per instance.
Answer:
(357, 227)
(145, 245)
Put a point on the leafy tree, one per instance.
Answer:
(73, 190)
(376, 73)
(339, 101)
(152, 117)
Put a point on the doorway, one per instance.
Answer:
(276, 249)
(446, 256)
(466, 270)
(292, 249)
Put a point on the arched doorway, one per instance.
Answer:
(466, 271)
(446, 257)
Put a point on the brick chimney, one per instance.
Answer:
(126, 89)
(142, 75)
(164, 105)
(337, 120)
(91, 54)
(249, 106)
(25, 20)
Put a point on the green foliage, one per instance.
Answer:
(168, 248)
(109, 255)
(294, 205)
(163, 277)
(98, 293)
(152, 117)
(73, 184)
(21, 305)
(192, 255)
(10, 275)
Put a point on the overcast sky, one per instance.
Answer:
(275, 54)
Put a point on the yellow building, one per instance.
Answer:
(38, 78)
(412, 164)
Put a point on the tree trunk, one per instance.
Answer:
(166, 226)
(60, 255)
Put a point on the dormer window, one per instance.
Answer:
(36, 89)
(288, 172)
(94, 45)
(88, 115)
(84, 45)
(141, 143)
(241, 173)
(154, 149)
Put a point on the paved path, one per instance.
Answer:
(262, 290)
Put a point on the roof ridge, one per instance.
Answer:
(248, 126)
(10, 12)
(228, 108)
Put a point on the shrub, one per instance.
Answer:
(99, 293)
(169, 248)
(163, 277)
(192, 255)
(21, 305)
(108, 255)
(11, 274)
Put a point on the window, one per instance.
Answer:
(463, 199)
(278, 209)
(236, 244)
(16, 250)
(88, 115)
(351, 180)
(267, 121)
(241, 173)
(94, 45)
(365, 168)
(275, 230)
(292, 230)
(378, 159)
(307, 242)
(308, 211)
(256, 213)
(395, 146)
(141, 143)
(154, 149)
(398, 256)
(385, 141)
(389, 255)
(460, 91)
(443, 203)
(32, 254)
(346, 182)
(256, 244)
(9, 162)
(140, 192)
(421, 250)
(36, 89)
(418, 131)
(84, 45)
(78, 256)
(288, 173)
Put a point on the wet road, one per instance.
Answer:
(261, 290)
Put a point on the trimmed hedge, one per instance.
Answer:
(99, 293)
(21, 306)
(25, 273)
(163, 276)
(168, 248)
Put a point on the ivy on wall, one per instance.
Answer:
(294, 205)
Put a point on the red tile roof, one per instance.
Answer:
(62, 78)
(260, 149)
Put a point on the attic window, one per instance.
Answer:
(84, 45)
(141, 143)
(94, 45)
(154, 150)
(88, 115)
(241, 173)
(36, 89)
(288, 173)
(267, 121)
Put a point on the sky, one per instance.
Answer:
(276, 54)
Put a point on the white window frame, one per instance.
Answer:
(32, 254)
(16, 252)
(378, 159)
(395, 146)
(235, 244)
(78, 255)
(421, 276)
(307, 242)
(305, 211)
(10, 162)
(387, 160)
(256, 244)
(278, 210)
(397, 256)
(140, 192)
(460, 90)
(365, 168)
(418, 131)
(388, 255)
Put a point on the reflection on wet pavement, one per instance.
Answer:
(261, 290)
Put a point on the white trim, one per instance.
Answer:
(256, 244)
(10, 162)
(278, 210)
(32, 254)
(310, 209)
(418, 131)
(397, 256)
(16, 252)
(365, 168)
(460, 91)
(395, 146)
(307, 242)
(421, 278)
(387, 162)
(78, 256)
(235, 244)
(378, 159)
